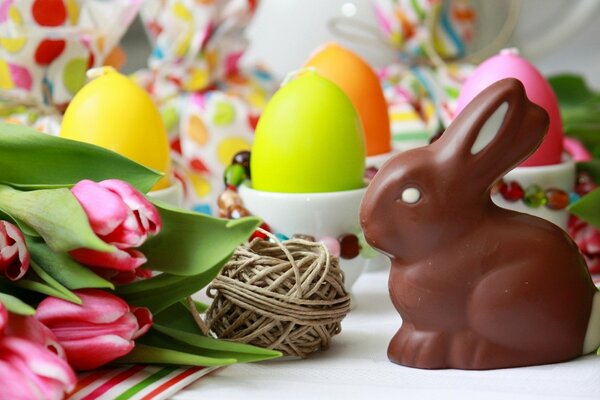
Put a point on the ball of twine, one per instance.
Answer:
(287, 296)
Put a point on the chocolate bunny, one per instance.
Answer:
(478, 286)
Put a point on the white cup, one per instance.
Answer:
(316, 214)
(559, 176)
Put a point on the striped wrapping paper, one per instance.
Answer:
(136, 382)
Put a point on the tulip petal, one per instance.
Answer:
(3, 317)
(105, 209)
(41, 361)
(124, 327)
(147, 214)
(121, 260)
(97, 307)
(129, 234)
(33, 330)
(94, 352)
(15, 385)
(144, 320)
(14, 256)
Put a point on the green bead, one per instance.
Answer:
(365, 250)
(234, 175)
(534, 196)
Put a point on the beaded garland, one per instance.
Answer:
(346, 246)
(534, 196)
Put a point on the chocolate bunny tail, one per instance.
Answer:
(592, 336)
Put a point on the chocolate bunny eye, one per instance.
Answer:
(410, 195)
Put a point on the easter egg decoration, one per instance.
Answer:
(308, 140)
(360, 83)
(508, 64)
(113, 112)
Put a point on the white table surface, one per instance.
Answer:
(356, 367)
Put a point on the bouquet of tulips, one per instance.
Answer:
(94, 272)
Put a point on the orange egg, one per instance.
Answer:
(360, 83)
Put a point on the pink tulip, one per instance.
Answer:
(30, 363)
(14, 256)
(119, 215)
(100, 330)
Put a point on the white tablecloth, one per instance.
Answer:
(356, 367)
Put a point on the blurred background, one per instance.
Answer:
(557, 35)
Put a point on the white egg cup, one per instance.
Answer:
(316, 214)
(559, 176)
(172, 195)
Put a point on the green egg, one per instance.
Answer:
(308, 140)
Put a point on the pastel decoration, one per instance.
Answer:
(21, 76)
(414, 27)
(209, 104)
(113, 112)
(6, 81)
(308, 140)
(360, 83)
(58, 40)
(508, 64)
(227, 148)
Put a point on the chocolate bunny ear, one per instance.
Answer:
(497, 130)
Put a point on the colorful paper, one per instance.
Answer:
(412, 26)
(137, 382)
(421, 100)
(209, 105)
(46, 46)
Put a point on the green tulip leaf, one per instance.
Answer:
(55, 214)
(33, 160)
(571, 89)
(44, 288)
(15, 305)
(63, 268)
(587, 208)
(177, 323)
(164, 290)
(191, 243)
(53, 283)
(147, 354)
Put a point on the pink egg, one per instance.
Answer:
(509, 64)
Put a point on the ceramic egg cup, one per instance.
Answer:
(316, 214)
(560, 176)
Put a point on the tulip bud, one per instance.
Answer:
(98, 331)
(119, 215)
(14, 256)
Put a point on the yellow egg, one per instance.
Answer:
(113, 112)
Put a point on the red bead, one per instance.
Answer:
(370, 173)
(48, 51)
(512, 191)
(349, 246)
(259, 234)
(557, 199)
